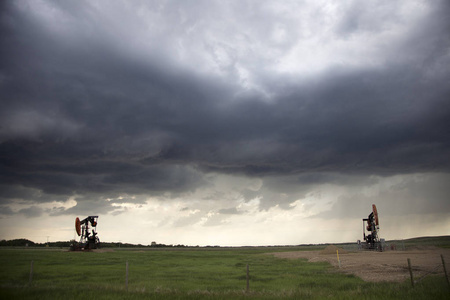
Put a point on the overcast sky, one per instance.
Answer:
(224, 122)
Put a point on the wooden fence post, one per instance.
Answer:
(445, 270)
(126, 275)
(31, 273)
(248, 277)
(339, 262)
(410, 272)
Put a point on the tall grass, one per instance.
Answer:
(189, 274)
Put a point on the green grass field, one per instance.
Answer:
(211, 273)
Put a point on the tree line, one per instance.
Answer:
(63, 244)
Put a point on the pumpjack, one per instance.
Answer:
(88, 235)
(372, 225)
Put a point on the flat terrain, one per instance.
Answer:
(220, 273)
(379, 266)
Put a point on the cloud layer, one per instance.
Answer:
(109, 103)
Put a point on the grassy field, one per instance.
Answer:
(437, 241)
(211, 273)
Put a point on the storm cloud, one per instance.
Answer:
(109, 103)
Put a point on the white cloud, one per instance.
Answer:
(328, 213)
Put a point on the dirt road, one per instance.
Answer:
(379, 266)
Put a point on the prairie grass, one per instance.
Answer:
(189, 274)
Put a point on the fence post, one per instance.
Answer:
(339, 262)
(126, 275)
(445, 270)
(31, 273)
(248, 277)
(410, 272)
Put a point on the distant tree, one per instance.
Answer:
(17, 243)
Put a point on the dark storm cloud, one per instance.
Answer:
(84, 114)
(32, 211)
(6, 210)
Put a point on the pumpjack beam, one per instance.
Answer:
(86, 229)
(372, 225)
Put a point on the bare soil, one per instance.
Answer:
(379, 266)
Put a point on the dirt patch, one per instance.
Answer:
(332, 249)
(378, 266)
